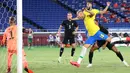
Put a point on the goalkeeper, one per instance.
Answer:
(10, 37)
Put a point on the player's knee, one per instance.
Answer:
(87, 45)
(109, 39)
(73, 45)
(114, 49)
(63, 45)
(91, 50)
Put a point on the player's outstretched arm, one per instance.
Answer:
(76, 29)
(76, 18)
(59, 28)
(106, 8)
(80, 15)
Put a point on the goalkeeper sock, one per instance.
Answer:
(9, 69)
(26, 69)
(83, 52)
(61, 51)
(72, 52)
(90, 57)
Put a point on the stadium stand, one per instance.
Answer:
(7, 9)
(48, 14)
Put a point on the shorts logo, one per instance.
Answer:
(101, 36)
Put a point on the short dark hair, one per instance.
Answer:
(79, 11)
(90, 1)
(12, 18)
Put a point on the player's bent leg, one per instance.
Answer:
(9, 62)
(91, 40)
(119, 55)
(114, 49)
(26, 66)
(83, 53)
(72, 51)
(109, 39)
(91, 53)
(25, 63)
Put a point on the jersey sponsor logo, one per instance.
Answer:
(69, 26)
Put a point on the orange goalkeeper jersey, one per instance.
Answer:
(10, 35)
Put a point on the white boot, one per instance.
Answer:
(89, 65)
(125, 63)
(59, 60)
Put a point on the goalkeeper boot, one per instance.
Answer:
(30, 71)
(8, 70)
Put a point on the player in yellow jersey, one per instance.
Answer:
(88, 15)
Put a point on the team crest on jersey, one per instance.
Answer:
(72, 24)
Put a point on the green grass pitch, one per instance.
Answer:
(44, 60)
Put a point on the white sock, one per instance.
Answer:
(82, 54)
(59, 57)
(123, 39)
(125, 63)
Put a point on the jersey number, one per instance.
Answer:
(11, 35)
(69, 26)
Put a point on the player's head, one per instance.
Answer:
(89, 5)
(80, 14)
(69, 15)
(12, 20)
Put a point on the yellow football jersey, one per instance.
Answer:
(89, 22)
